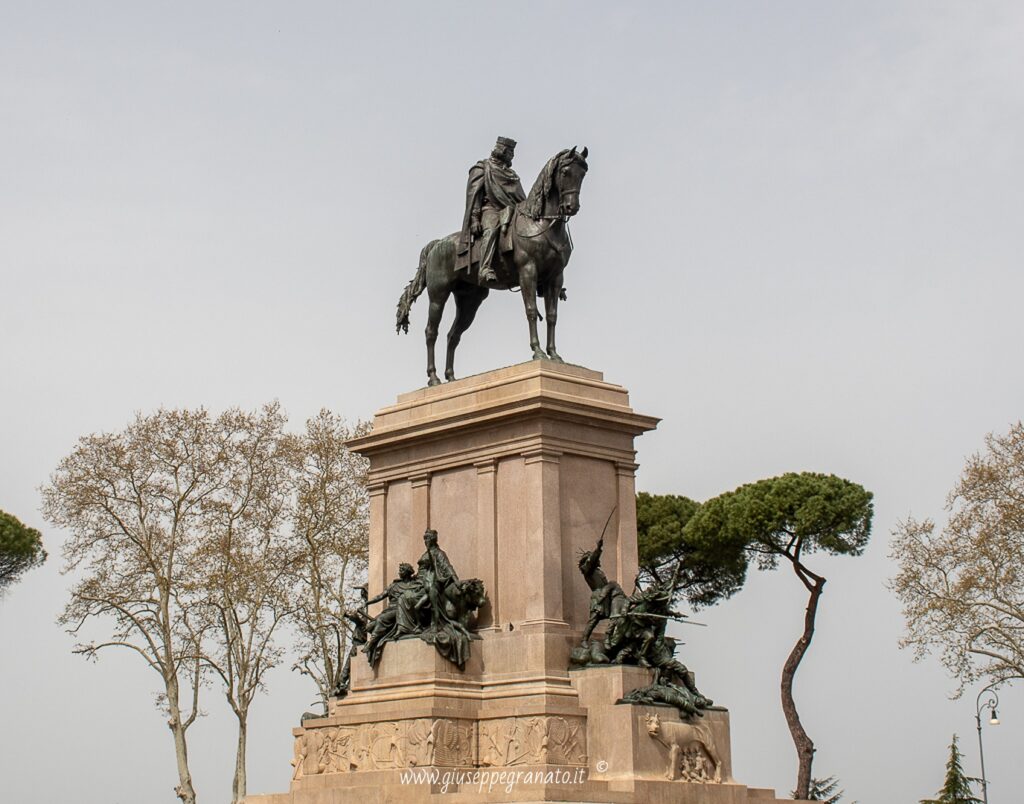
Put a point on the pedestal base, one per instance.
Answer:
(499, 788)
(519, 470)
(418, 730)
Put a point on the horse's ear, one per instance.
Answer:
(573, 151)
(584, 152)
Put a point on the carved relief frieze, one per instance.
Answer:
(385, 746)
(537, 740)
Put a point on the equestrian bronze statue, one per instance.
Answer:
(507, 241)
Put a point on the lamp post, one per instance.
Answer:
(991, 702)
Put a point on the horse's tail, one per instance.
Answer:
(413, 290)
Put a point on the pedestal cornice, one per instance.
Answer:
(535, 390)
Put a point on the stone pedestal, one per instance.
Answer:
(518, 470)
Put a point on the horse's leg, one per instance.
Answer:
(467, 301)
(528, 286)
(554, 288)
(438, 298)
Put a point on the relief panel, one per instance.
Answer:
(385, 746)
(538, 740)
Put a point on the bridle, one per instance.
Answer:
(561, 205)
(562, 194)
(551, 219)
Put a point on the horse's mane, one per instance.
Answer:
(533, 206)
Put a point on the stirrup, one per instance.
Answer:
(487, 275)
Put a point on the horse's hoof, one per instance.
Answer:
(539, 355)
(433, 380)
(449, 377)
(555, 357)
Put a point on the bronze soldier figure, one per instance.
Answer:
(607, 600)
(493, 187)
(399, 618)
(437, 574)
(362, 623)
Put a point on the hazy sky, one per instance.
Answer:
(799, 244)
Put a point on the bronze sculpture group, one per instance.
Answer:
(429, 602)
(636, 636)
(508, 239)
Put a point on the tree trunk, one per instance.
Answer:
(238, 783)
(184, 790)
(803, 743)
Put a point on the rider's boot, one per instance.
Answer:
(487, 256)
(487, 274)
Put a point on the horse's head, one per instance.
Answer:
(570, 168)
(557, 189)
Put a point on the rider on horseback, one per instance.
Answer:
(493, 186)
(538, 250)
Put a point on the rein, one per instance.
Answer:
(552, 219)
(545, 230)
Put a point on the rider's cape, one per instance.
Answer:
(499, 183)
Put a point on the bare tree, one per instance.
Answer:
(134, 503)
(196, 538)
(962, 589)
(246, 561)
(331, 519)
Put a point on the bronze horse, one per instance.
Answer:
(540, 250)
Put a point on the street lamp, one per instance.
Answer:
(990, 703)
